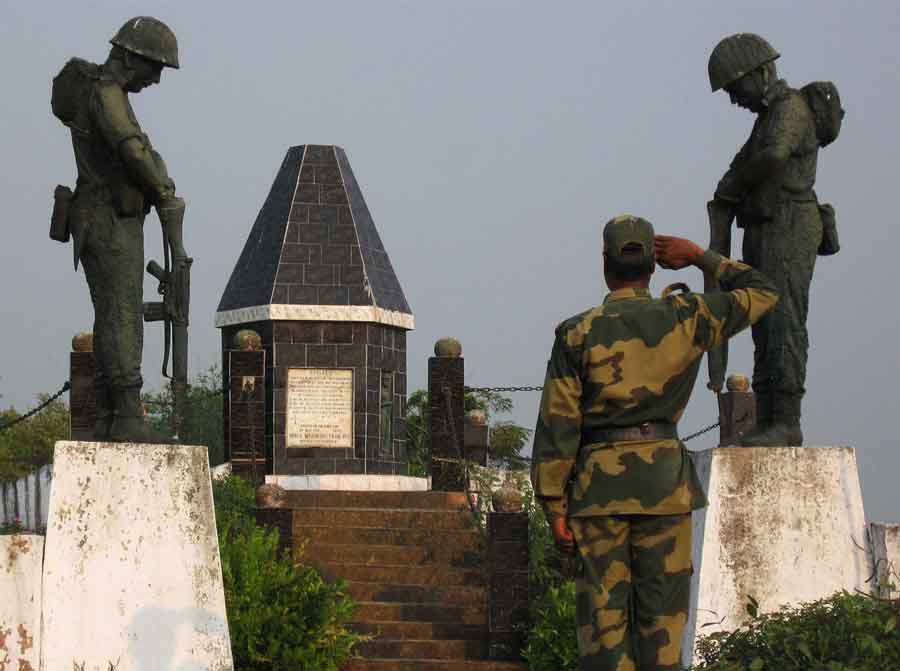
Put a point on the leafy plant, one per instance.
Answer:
(11, 526)
(28, 445)
(845, 632)
(552, 641)
(282, 614)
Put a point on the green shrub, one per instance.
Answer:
(845, 632)
(552, 643)
(282, 615)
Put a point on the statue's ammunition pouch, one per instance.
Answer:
(59, 220)
(830, 244)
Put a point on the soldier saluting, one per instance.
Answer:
(608, 468)
(120, 176)
(769, 188)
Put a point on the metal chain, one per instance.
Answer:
(66, 386)
(701, 432)
(508, 389)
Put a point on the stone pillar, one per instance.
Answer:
(82, 408)
(21, 557)
(737, 410)
(245, 407)
(885, 540)
(508, 595)
(446, 404)
(476, 437)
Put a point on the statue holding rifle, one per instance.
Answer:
(120, 177)
(768, 188)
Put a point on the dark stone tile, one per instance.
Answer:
(301, 295)
(290, 355)
(351, 275)
(359, 450)
(299, 214)
(280, 294)
(372, 400)
(314, 251)
(314, 233)
(333, 194)
(306, 332)
(345, 215)
(341, 235)
(337, 333)
(328, 175)
(307, 193)
(375, 334)
(319, 275)
(359, 333)
(322, 355)
(350, 466)
(373, 378)
(320, 466)
(293, 232)
(279, 401)
(372, 425)
(320, 452)
(333, 296)
(292, 253)
(323, 214)
(359, 296)
(307, 174)
(375, 357)
(380, 468)
(289, 273)
(351, 355)
(355, 257)
(400, 340)
(279, 420)
(336, 254)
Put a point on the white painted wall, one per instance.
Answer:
(20, 601)
(132, 574)
(784, 525)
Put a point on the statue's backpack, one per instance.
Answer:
(825, 102)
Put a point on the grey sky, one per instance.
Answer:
(491, 141)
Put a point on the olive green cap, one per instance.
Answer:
(736, 56)
(150, 38)
(625, 230)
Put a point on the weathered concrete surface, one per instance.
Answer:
(351, 483)
(784, 525)
(132, 575)
(885, 540)
(20, 601)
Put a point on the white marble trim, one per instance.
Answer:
(351, 483)
(324, 313)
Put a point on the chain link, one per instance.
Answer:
(701, 432)
(499, 389)
(28, 415)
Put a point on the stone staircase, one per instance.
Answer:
(414, 562)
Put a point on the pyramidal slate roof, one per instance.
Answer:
(313, 252)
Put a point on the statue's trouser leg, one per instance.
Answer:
(113, 260)
(785, 249)
(633, 596)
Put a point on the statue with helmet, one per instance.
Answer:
(120, 177)
(768, 189)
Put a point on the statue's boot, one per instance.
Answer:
(104, 413)
(784, 428)
(128, 425)
(763, 419)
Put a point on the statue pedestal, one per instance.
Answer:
(784, 525)
(20, 601)
(132, 575)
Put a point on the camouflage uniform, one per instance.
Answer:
(782, 231)
(630, 361)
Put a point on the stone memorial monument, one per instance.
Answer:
(315, 282)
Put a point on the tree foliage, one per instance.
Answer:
(202, 414)
(28, 445)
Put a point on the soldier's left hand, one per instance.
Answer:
(562, 535)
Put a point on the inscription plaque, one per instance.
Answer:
(319, 407)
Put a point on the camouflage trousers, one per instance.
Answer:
(785, 249)
(634, 592)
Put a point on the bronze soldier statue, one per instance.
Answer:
(120, 176)
(769, 188)
(616, 483)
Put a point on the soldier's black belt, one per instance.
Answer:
(645, 431)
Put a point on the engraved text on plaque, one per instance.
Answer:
(319, 407)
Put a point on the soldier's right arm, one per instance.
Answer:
(110, 109)
(557, 436)
(748, 295)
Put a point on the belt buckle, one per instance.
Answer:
(644, 429)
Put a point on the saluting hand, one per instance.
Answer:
(676, 253)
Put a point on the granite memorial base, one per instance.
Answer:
(132, 577)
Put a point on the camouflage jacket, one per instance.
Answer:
(631, 360)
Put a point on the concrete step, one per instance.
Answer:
(420, 594)
(432, 631)
(423, 649)
(451, 520)
(402, 575)
(377, 500)
(367, 536)
(433, 665)
(395, 555)
(432, 613)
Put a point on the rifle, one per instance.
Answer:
(721, 215)
(175, 288)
